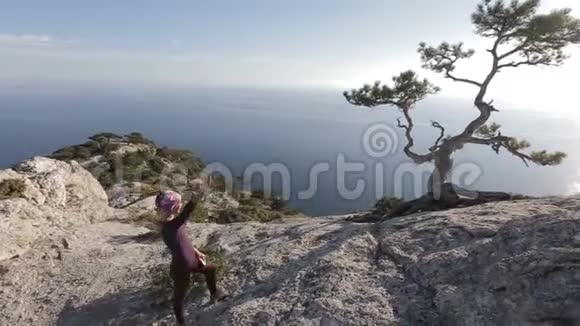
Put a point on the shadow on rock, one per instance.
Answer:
(312, 266)
(141, 306)
(143, 238)
(127, 307)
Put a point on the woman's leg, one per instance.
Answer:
(180, 285)
(210, 270)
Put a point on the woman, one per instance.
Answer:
(186, 259)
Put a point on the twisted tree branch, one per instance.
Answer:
(437, 125)
(463, 80)
(417, 158)
(503, 142)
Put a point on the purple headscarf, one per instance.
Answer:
(168, 201)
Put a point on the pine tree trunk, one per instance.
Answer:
(439, 177)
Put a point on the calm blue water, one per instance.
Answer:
(296, 128)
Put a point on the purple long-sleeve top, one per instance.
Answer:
(177, 241)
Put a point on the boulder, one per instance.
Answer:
(57, 195)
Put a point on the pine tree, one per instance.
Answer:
(521, 37)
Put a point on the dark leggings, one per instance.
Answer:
(181, 278)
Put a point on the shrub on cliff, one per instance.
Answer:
(138, 138)
(386, 205)
(140, 160)
(12, 188)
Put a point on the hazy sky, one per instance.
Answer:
(257, 43)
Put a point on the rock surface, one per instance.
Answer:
(508, 263)
(58, 195)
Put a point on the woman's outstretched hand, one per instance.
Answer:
(199, 190)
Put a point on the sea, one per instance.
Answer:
(310, 146)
